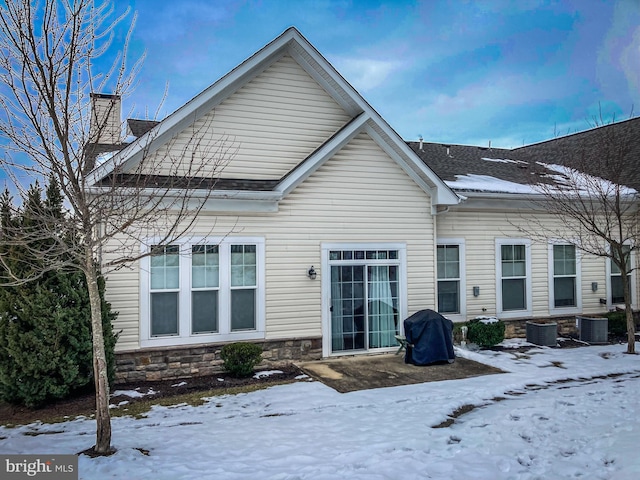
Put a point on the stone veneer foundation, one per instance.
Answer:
(199, 360)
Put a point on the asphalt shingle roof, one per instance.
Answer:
(611, 152)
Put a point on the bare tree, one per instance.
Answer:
(48, 50)
(589, 183)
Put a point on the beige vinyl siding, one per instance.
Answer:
(360, 195)
(480, 230)
(123, 293)
(264, 129)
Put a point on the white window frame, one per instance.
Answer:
(553, 310)
(462, 300)
(632, 287)
(401, 248)
(527, 311)
(224, 334)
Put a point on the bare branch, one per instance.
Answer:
(48, 54)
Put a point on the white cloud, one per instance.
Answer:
(366, 74)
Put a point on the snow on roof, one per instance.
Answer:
(561, 175)
(585, 183)
(504, 160)
(486, 183)
(104, 156)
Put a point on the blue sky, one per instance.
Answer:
(512, 72)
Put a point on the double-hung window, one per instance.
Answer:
(165, 289)
(202, 290)
(205, 285)
(615, 279)
(564, 284)
(450, 272)
(513, 274)
(243, 287)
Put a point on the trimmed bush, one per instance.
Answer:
(240, 358)
(485, 334)
(617, 323)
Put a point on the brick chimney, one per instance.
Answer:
(105, 126)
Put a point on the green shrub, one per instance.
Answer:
(617, 323)
(485, 334)
(45, 339)
(240, 358)
(45, 324)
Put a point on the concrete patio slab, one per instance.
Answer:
(363, 372)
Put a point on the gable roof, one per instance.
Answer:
(472, 169)
(364, 118)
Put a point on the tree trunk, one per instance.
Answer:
(631, 331)
(631, 328)
(103, 417)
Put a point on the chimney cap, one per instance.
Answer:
(104, 95)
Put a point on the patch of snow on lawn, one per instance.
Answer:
(266, 373)
(554, 414)
(132, 393)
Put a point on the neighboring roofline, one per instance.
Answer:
(588, 130)
(291, 42)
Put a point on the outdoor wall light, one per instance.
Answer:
(311, 273)
(476, 291)
(594, 286)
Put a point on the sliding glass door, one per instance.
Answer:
(364, 299)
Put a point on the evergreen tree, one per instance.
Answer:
(45, 324)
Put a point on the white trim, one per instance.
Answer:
(326, 151)
(553, 310)
(462, 300)
(185, 337)
(527, 311)
(401, 248)
(632, 287)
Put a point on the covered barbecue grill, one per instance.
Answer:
(429, 338)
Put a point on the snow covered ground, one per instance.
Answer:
(557, 414)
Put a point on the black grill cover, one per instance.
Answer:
(429, 338)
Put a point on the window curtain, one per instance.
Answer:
(337, 329)
(382, 328)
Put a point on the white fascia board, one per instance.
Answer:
(345, 95)
(511, 201)
(501, 201)
(195, 108)
(313, 162)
